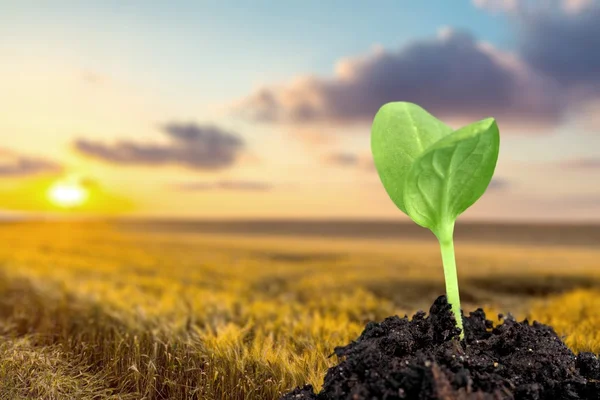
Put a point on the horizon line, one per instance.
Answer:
(289, 220)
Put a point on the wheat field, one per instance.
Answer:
(89, 311)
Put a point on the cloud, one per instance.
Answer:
(524, 6)
(495, 6)
(498, 184)
(342, 159)
(246, 186)
(453, 76)
(577, 6)
(583, 163)
(190, 145)
(583, 200)
(564, 46)
(350, 160)
(557, 38)
(311, 136)
(93, 77)
(85, 181)
(15, 165)
(550, 79)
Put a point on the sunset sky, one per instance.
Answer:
(262, 109)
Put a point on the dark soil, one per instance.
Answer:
(422, 358)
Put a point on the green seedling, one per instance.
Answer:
(434, 173)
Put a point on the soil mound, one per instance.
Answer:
(423, 359)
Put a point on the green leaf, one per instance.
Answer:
(401, 132)
(452, 175)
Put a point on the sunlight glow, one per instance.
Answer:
(67, 195)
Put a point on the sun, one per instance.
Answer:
(67, 194)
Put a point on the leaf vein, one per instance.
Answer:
(427, 200)
(469, 156)
(435, 167)
(416, 131)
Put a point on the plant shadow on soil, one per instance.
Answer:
(422, 358)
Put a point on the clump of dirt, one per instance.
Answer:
(423, 359)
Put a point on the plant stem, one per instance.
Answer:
(449, 261)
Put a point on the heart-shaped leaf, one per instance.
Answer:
(401, 132)
(452, 175)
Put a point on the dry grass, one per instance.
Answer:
(574, 316)
(89, 312)
(28, 371)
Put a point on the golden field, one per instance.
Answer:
(89, 311)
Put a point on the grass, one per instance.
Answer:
(89, 312)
